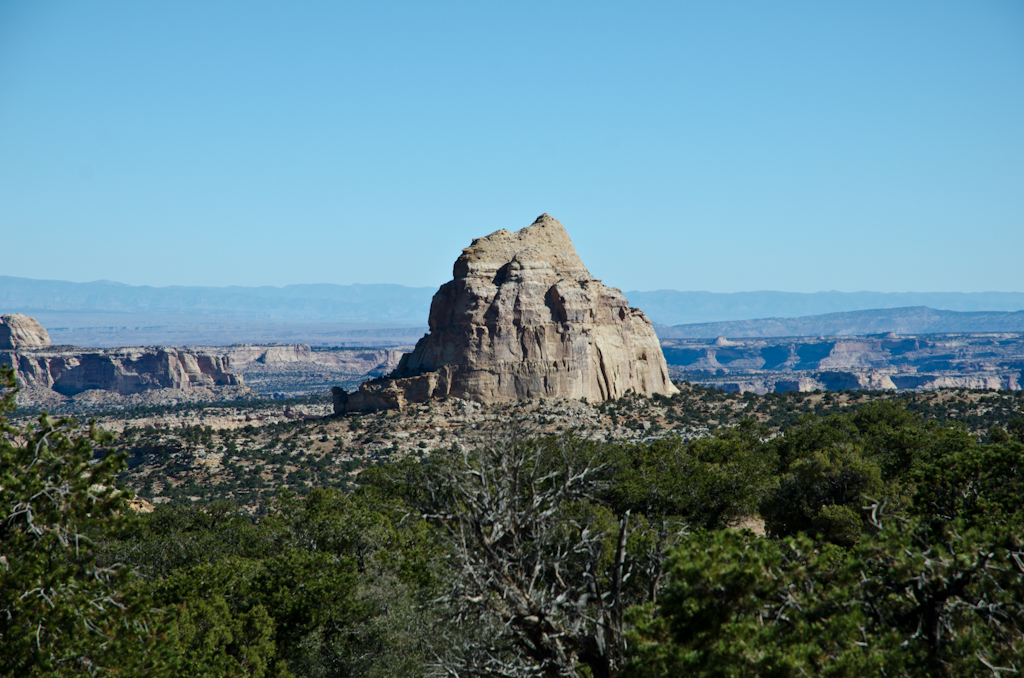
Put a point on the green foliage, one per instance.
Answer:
(709, 482)
(980, 483)
(1015, 428)
(940, 598)
(60, 612)
(326, 585)
(928, 581)
(895, 549)
(822, 493)
(737, 605)
(908, 601)
(830, 467)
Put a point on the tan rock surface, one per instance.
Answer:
(991, 361)
(523, 318)
(22, 331)
(355, 361)
(121, 370)
(59, 376)
(297, 369)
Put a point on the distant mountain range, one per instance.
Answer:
(670, 307)
(377, 304)
(914, 320)
(105, 313)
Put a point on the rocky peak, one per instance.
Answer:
(18, 331)
(544, 249)
(523, 318)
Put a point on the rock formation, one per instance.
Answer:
(21, 331)
(358, 361)
(880, 362)
(61, 377)
(295, 370)
(125, 371)
(523, 318)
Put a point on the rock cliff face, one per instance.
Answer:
(125, 371)
(295, 370)
(22, 331)
(886, 362)
(523, 318)
(375, 361)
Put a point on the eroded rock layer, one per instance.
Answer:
(68, 379)
(523, 318)
(296, 370)
(70, 370)
(992, 360)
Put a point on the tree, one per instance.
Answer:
(934, 588)
(539, 571)
(61, 613)
(911, 600)
(319, 586)
(822, 494)
(940, 597)
(711, 482)
(741, 606)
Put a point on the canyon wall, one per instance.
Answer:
(296, 370)
(890, 361)
(125, 371)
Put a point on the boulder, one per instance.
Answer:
(523, 318)
(19, 331)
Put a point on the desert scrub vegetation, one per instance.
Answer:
(891, 541)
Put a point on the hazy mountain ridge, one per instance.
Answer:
(913, 320)
(139, 329)
(327, 302)
(397, 304)
(670, 307)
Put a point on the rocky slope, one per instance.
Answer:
(523, 318)
(247, 451)
(924, 362)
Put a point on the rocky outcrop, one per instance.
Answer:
(882, 362)
(523, 318)
(69, 379)
(125, 371)
(356, 361)
(294, 370)
(22, 331)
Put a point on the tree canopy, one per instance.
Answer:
(891, 546)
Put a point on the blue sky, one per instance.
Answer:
(722, 146)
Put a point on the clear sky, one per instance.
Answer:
(722, 146)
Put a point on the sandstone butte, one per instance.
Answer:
(22, 331)
(523, 318)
